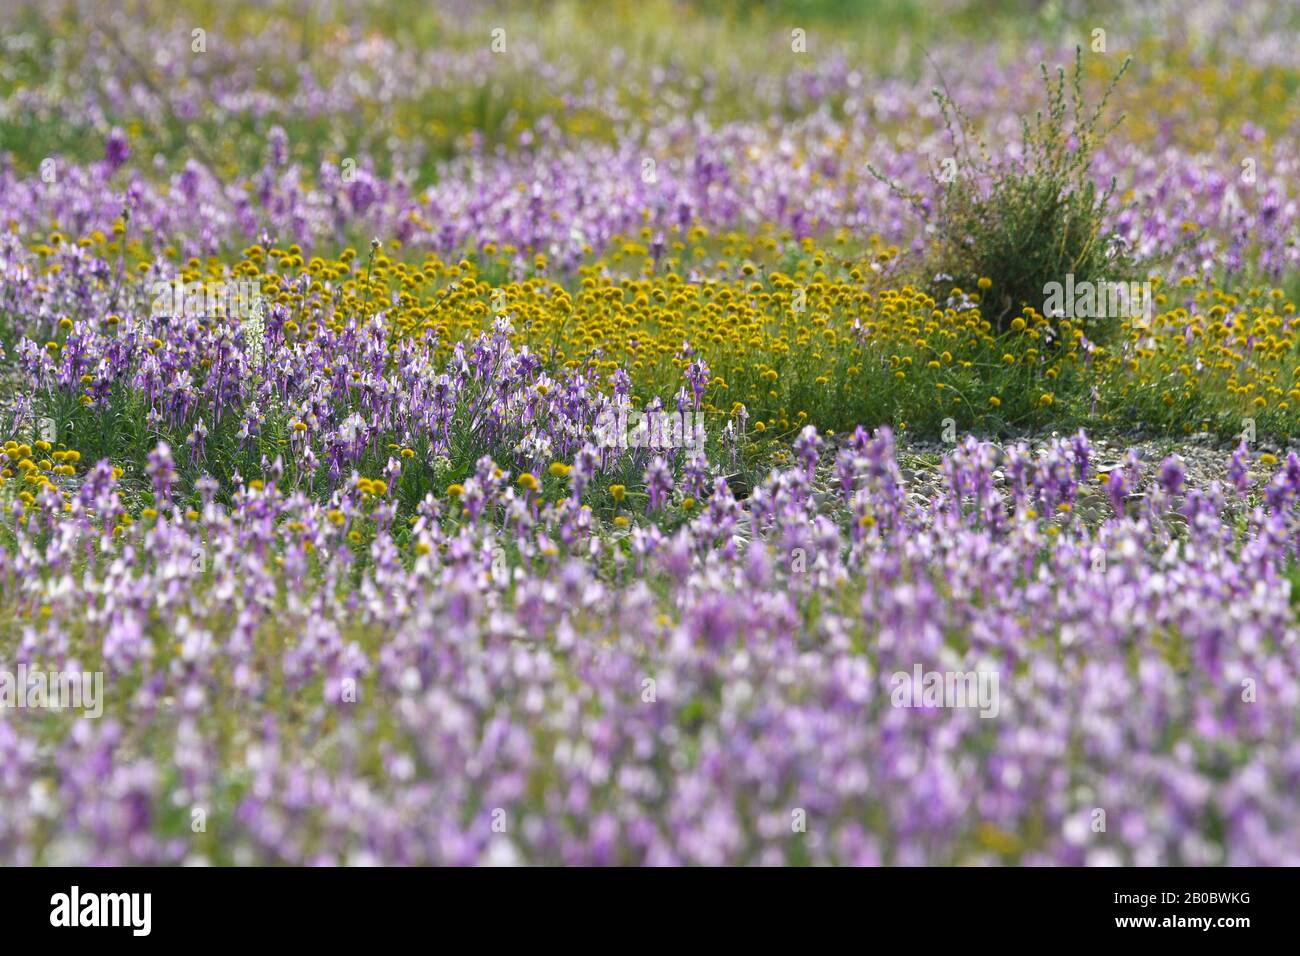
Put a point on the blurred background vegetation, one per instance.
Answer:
(424, 86)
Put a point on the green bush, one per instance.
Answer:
(1025, 223)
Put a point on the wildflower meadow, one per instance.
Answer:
(649, 433)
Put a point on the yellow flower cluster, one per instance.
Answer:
(36, 466)
(796, 331)
(1216, 359)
